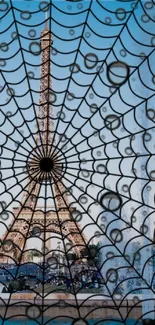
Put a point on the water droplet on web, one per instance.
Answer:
(2, 63)
(33, 312)
(4, 47)
(112, 122)
(120, 14)
(112, 275)
(107, 20)
(10, 92)
(44, 6)
(4, 6)
(32, 33)
(123, 53)
(4, 216)
(148, 5)
(87, 34)
(71, 32)
(116, 235)
(90, 60)
(117, 72)
(93, 108)
(145, 18)
(110, 201)
(25, 15)
(35, 48)
(150, 113)
(101, 169)
(74, 68)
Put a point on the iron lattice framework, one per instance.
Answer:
(43, 160)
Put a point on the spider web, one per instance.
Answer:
(101, 112)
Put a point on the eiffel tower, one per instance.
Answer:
(43, 167)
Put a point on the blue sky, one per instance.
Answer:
(130, 48)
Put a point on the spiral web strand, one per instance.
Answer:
(77, 81)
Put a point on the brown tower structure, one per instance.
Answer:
(44, 168)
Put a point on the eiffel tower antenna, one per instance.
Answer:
(46, 18)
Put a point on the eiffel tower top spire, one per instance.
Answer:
(46, 21)
(45, 37)
(49, 167)
(45, 83)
